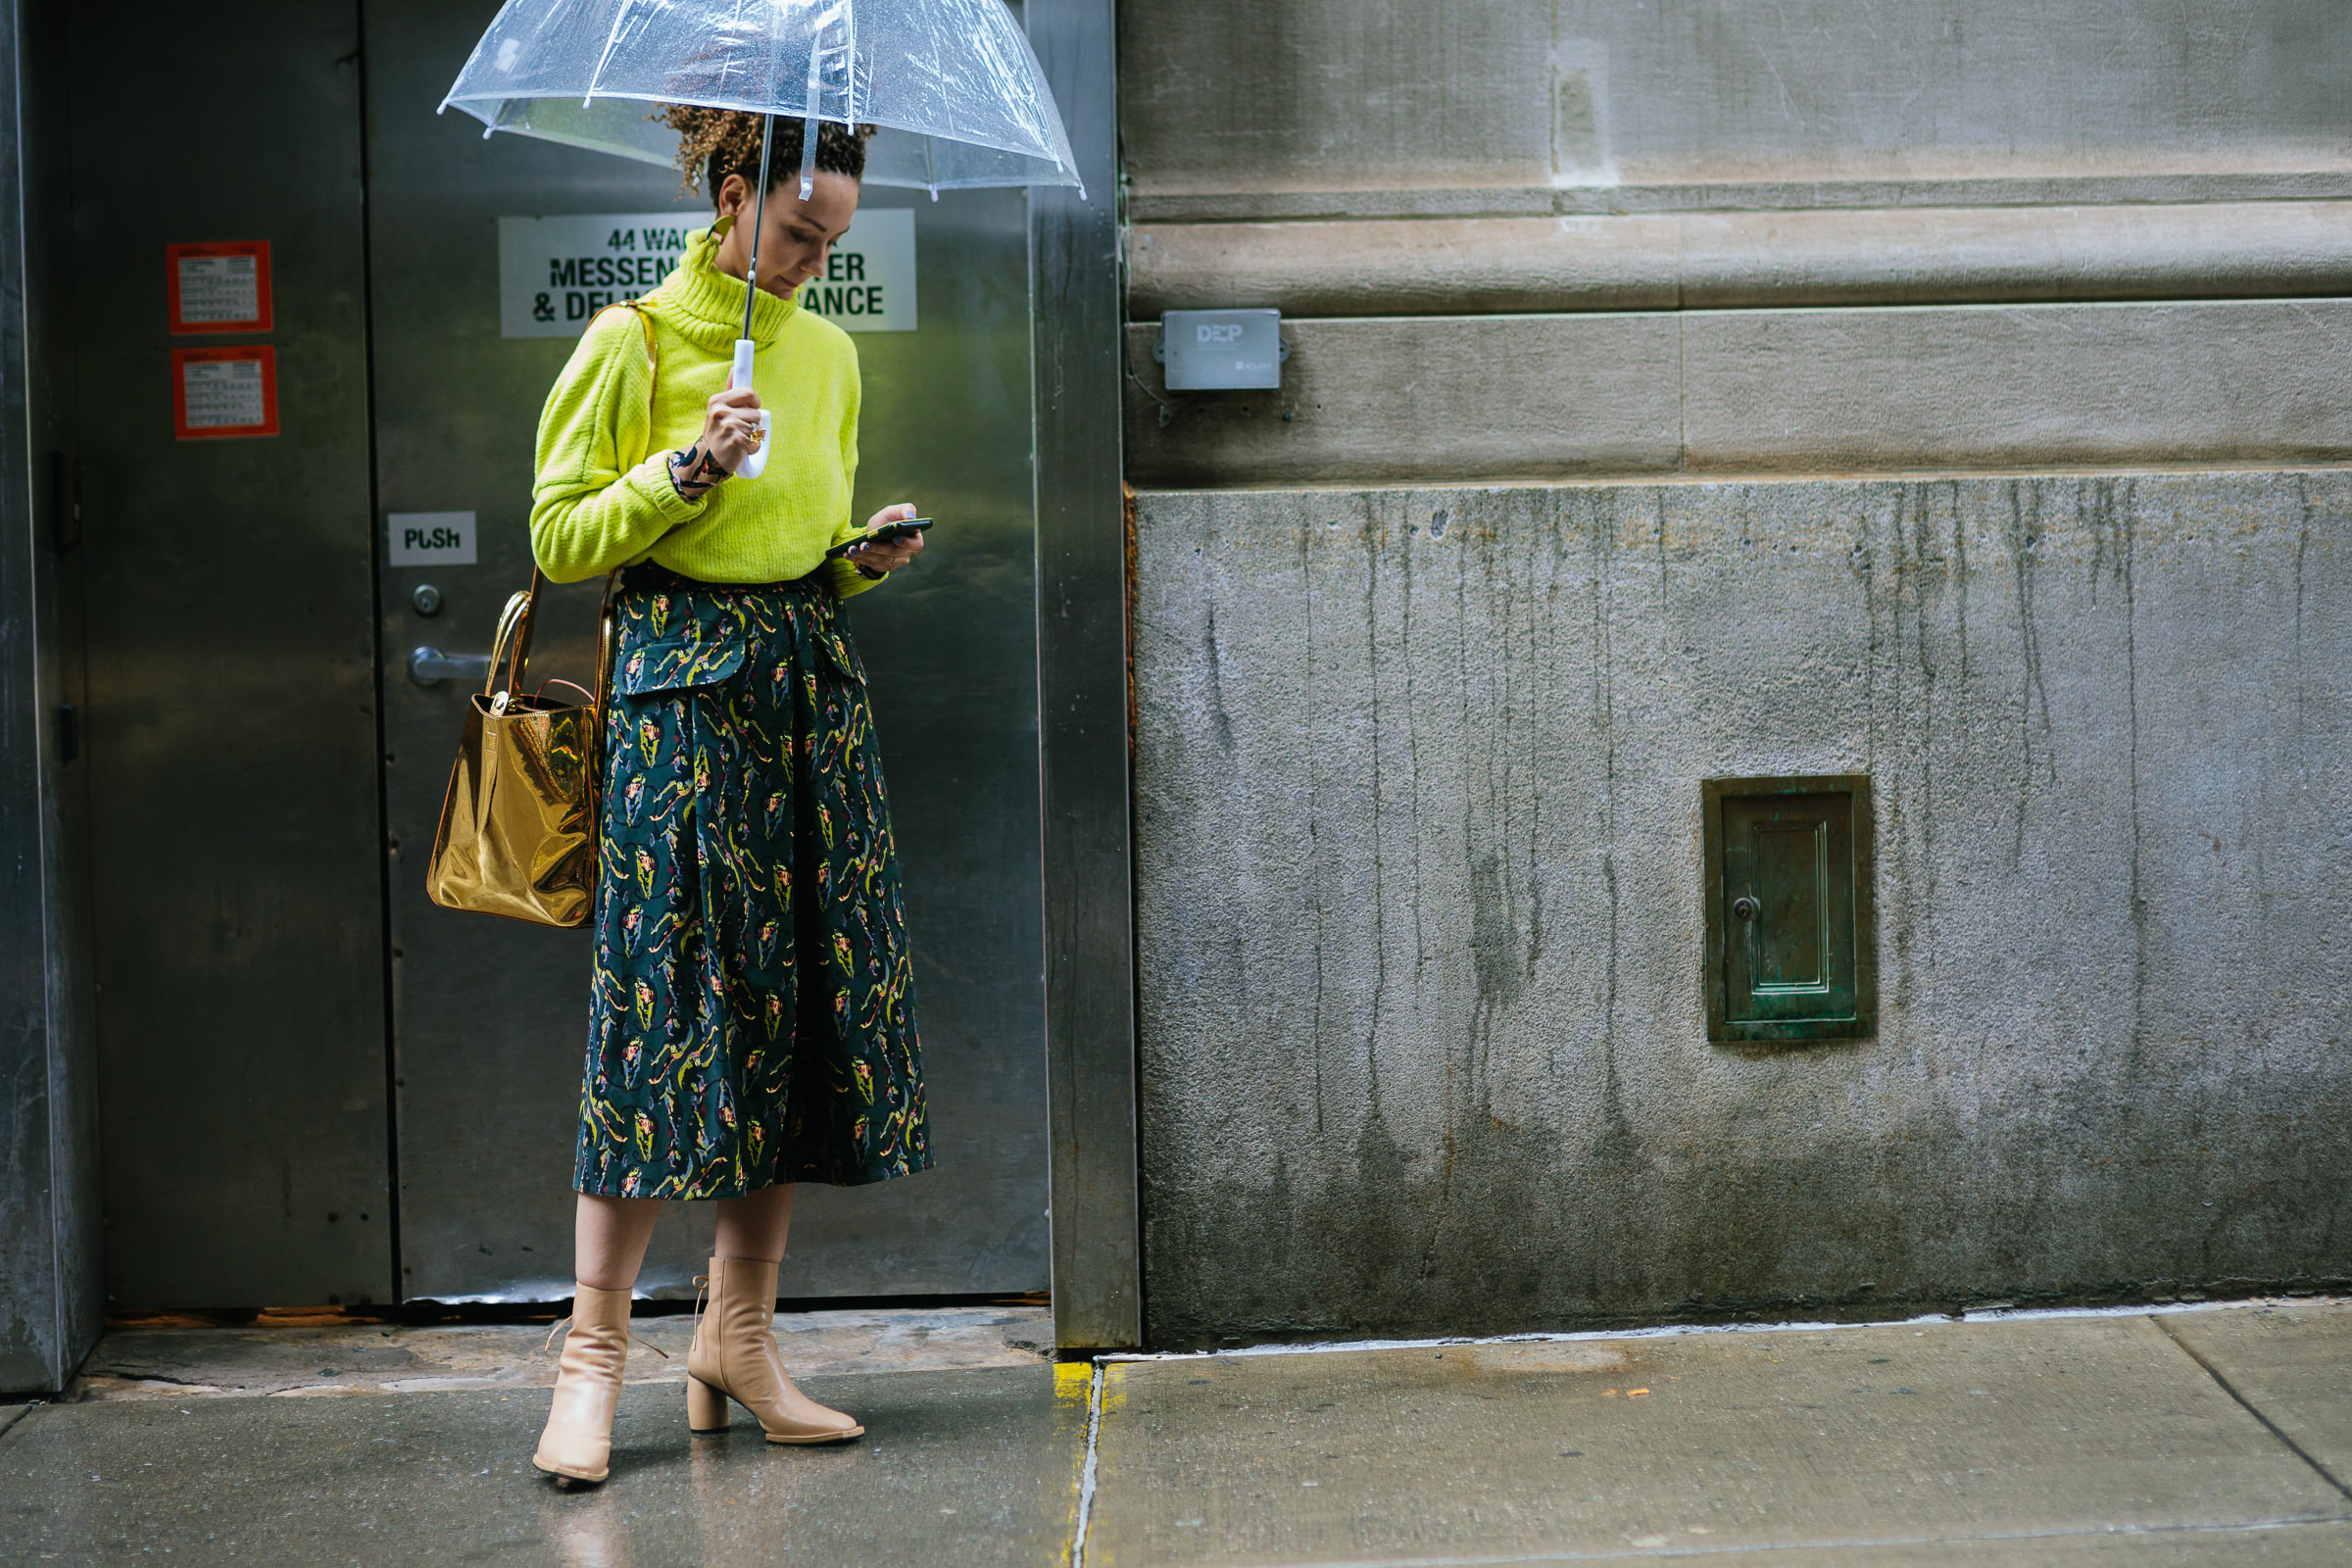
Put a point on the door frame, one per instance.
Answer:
(1084, 740)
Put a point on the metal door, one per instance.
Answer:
(490, 1017)
(235, 875)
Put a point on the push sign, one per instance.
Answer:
(431, 538)
(1219, 351)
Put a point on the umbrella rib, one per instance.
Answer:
(726, 64)
(620, 19)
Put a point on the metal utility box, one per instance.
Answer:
(1221, 351)
(1791, 950)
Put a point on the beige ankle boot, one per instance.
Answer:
(577, 1444)
(734, 1356)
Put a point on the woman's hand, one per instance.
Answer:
(896, 554)
(730, 427)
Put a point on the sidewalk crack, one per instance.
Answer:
(10, 1414)
(1086, 1476)
(2211, 1371)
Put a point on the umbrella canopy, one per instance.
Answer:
(953, 83)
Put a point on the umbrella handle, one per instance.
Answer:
(741, 375)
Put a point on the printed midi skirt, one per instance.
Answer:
(753, 1016)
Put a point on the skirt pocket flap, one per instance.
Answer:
(834, 641)
(675, 664)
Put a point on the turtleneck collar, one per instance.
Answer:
(711, 303)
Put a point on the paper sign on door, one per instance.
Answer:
(554, 273)
(868, 281)
(223, 392)
(219, 288)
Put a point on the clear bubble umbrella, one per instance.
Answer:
(952, 84)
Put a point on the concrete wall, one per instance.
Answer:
(1518, 240)
(1541, 396)
(1418, 787)
(1418, 769)
(1329, 96)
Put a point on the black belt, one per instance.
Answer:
(650, 577)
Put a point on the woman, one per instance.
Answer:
(752, 1021)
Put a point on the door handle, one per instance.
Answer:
(430, 666)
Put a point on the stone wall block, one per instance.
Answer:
(1451, 398)
(1732, 260)
(1334, 96)
(1419, 902)
(1390, 399)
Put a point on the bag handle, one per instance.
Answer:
(520, 619)
(510, 648)
(607, 614)
(605, 619)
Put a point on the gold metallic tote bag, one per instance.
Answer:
(518, 826)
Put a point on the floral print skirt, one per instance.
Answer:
(753, 1014)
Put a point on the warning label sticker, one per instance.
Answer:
(219, 288)
(554, 273)
(223, 392)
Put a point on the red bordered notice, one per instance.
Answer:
(223, 392)
(219, 288)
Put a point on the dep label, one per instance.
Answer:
(432, 538)
(554, 273)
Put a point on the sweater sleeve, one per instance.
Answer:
(589, 514)
(847, 579)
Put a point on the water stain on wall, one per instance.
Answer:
(1422, 1045)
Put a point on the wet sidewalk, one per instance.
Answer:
(2216, 1434)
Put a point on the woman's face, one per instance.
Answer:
(799, 236)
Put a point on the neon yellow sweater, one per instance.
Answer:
(602, 498)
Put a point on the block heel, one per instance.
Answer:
(706, 1406)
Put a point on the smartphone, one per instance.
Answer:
(886, 534)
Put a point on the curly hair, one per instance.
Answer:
(713, 143)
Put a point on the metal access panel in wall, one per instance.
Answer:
(219, 411)
(491, 1016)
(1789, 927)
